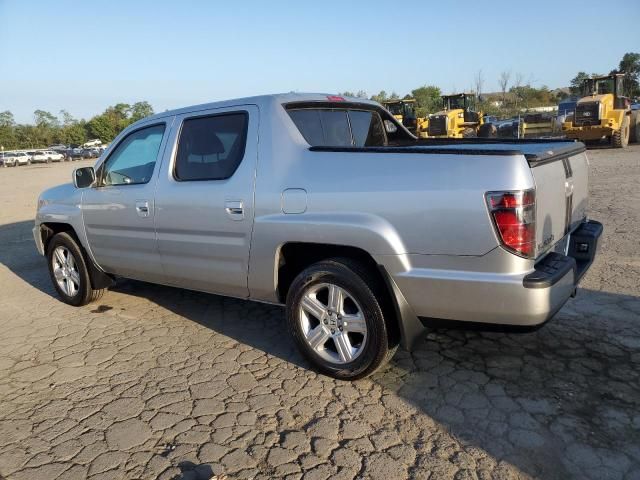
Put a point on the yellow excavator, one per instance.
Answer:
(457, 119)
(603, 112)
(404, 110)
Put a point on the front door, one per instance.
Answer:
(204, 204)
(119, 211)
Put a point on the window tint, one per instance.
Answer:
(211, 148)
(339, 128)
(367, 128)
(134, 158)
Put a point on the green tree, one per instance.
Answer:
(630, 64)
(427, 99)
(576, 83)
(46, 130)
(140, 110)
(7, 133)
(380, 97)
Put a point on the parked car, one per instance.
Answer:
(364, 232)
(55, 156)
(46, 156)
(75, 153)
(14, 159)
(92, 143)
(61, 149)
(91, 152)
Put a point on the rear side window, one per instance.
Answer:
(211, 148)
(339, 128)
(366, 128)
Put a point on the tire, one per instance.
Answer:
(620, 139)
(634, 128)
(351, 349)
(487, 130)
(469, 133)
(48, 160)
(28, 162)
(70, 278)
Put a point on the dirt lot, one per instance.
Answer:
(154, 382)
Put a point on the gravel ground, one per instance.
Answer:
(155, 382)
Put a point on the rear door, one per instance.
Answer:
(205, 201)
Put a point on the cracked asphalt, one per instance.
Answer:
(155, 382)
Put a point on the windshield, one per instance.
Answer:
(600, 86)
(454, 103)
(395, 108)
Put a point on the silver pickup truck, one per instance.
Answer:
(329, 206)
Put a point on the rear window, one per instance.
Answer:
(325, 127)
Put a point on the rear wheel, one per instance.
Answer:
(68, 271)
(336, 317)
(469, 133)
(487, 130)
(634, 129)
(620, 139)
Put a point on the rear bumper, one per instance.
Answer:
(472, 291)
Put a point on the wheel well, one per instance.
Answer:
(296, 256)
(99, 279)
(48, 230)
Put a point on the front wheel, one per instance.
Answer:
(336, 317)
(68, 271)
(620, 138)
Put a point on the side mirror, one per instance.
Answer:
(390, 127)
(84, 177)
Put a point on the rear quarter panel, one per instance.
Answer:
(383, 203)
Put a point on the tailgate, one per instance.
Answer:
(561, 177)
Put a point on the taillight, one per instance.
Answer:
(514, 216)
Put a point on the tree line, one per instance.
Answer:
(515, 94)
(49, 129)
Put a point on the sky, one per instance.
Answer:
(83, 56)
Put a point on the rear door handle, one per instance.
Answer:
(142, 208)
(235, 209)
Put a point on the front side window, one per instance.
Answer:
(211, 148)
(339, 128)
(133, 160)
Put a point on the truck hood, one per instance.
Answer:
(66, 193)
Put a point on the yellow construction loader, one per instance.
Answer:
(457, 119)
(404, 110)
(603, 112)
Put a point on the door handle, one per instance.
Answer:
(235, 209)
(142, 208)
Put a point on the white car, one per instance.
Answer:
(14, 159)
(92, 143)
(46, 156)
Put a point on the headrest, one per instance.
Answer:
(202, 141)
